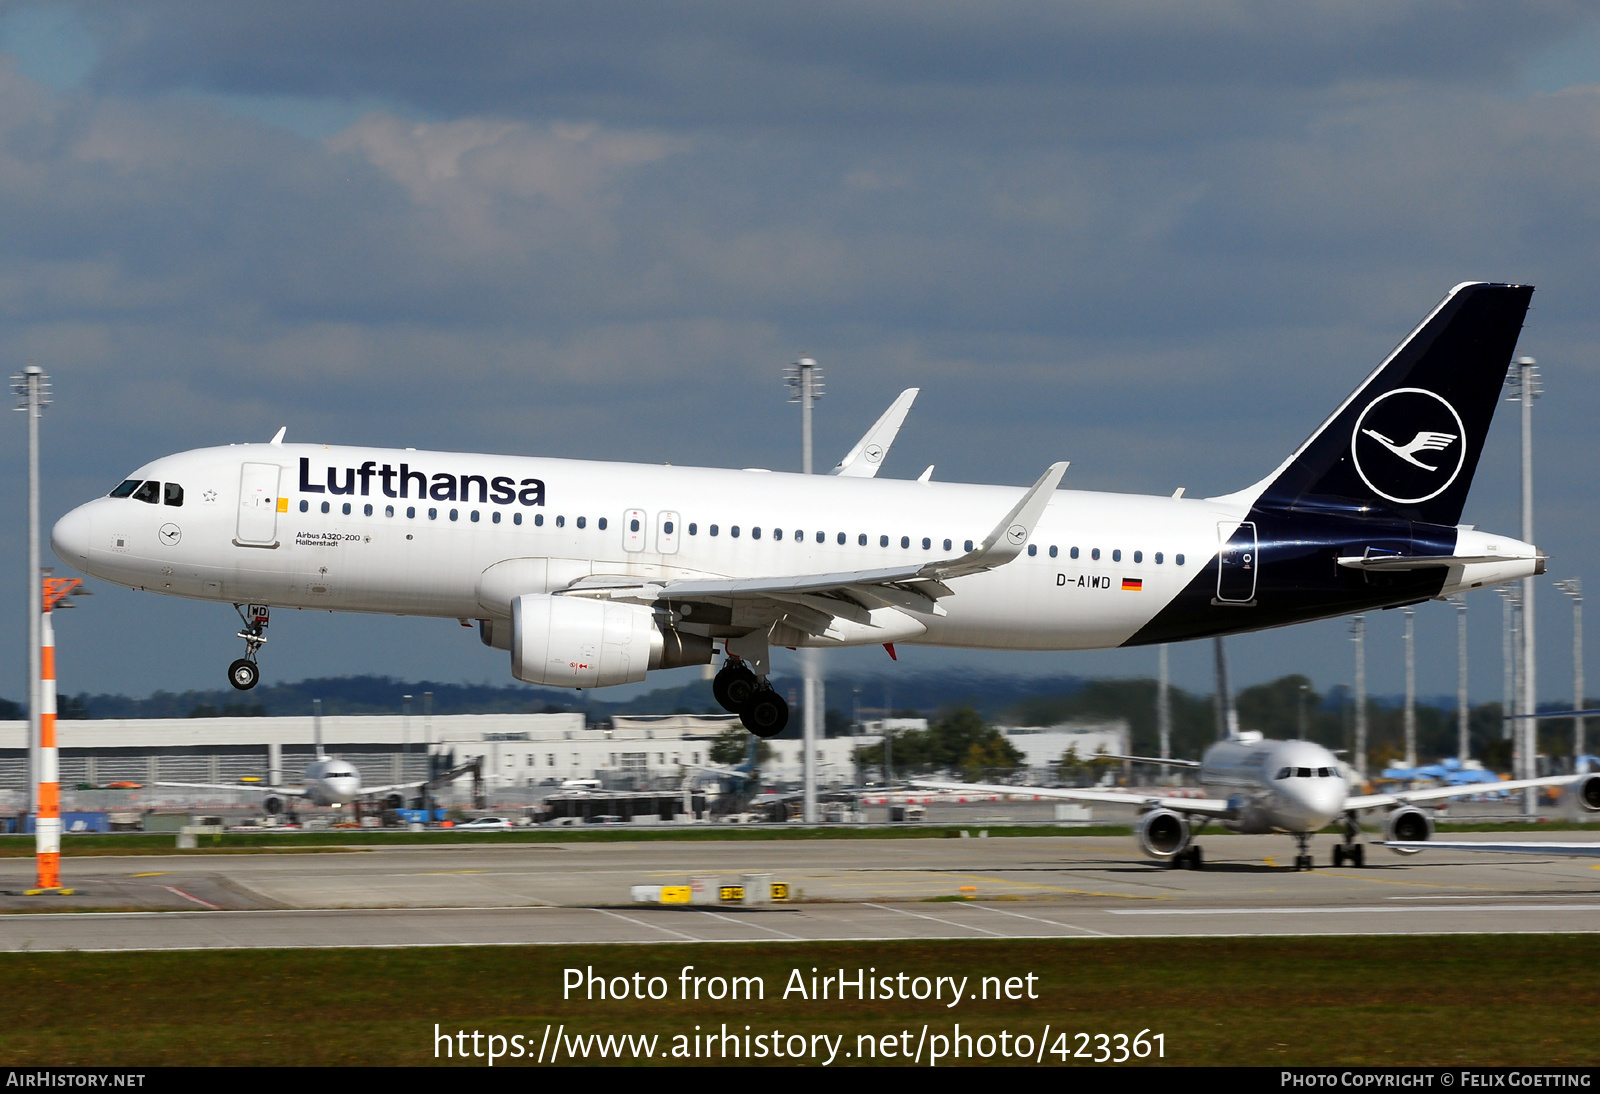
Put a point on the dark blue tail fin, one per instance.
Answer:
(1407, 441)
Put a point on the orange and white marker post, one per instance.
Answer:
(47, 824)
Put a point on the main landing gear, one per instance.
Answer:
(243, 673)
(751, 697)
(1350, 851)
(1192, 859)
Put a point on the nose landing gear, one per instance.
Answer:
(751, 697)
(243, 673)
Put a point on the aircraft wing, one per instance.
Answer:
(812, 602)
(285, 791)
(864, 460)
(1146, 760)
(1202, 807)
(1591, 850)
(417, 784)
(1436, 793)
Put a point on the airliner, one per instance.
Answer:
(327, 781)
(1293, 787)
(591, 574)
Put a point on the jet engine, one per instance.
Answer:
(576, 642)
(1162, 834)
(1587, 791)
(1410, 824)
(273, 805)
(394, 801)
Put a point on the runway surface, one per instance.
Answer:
(1049, 887)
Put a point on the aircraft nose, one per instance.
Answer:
(72, 534)
(1320, 800)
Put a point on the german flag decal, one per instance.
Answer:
(1132, 584)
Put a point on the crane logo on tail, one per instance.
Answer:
(1407, 472)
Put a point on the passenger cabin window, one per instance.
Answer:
(124, 488)
(172, 494)
(148, 492)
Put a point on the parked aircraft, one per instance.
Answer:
(592, 574)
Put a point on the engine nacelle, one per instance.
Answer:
(394, 801)
(1410, 824)
(1587, 791)
(273, 805)
(575, 642)
(1162, 834)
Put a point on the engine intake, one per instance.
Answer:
(1409, 824)
(1162, 834)
(575, 642)
(1587, 791)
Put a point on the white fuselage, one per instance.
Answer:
(332, 782)
(1275, 786)
(1098, 568)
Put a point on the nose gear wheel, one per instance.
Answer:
(244, 674)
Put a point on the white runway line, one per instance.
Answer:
(1036, 919)
(935, 919)
(1352, 910)
(757, 926)
(652, 926)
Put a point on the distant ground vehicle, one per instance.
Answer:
(484, 824)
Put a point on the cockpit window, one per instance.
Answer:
(149, 492)
(1303, 772)
(172, 494)
(125, 488)
(1284, 773)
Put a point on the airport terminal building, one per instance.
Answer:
(520, 752)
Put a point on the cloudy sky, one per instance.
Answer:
(1159, 240)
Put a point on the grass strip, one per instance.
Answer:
(1445, 1000)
